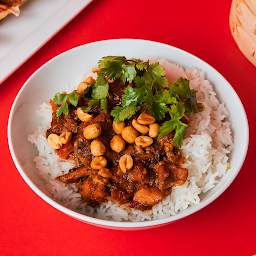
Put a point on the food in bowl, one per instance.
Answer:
(10, 6)
(135, 140)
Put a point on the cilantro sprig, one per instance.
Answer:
(147, 86)
(97, 94)
(63, 99)
(181, 88)
(151, 89)
(149, 79)
(176, 113)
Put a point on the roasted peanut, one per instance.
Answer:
(125, 163)
(65, 137)
(98, 148)
(145, 119)
(140, 128)
(83, 85)
(84, 117)
(89, 80)
(118, 127)
(143, 141)
(129, 134)
(98, 162)
(92, 131)
(117, 143)
(95, 70)
(153, 130)
(53, 141)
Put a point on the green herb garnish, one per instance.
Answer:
(61, 98)
(181, 88)
(176, 112)
(121, 113)
(146, 86)
(153, 92)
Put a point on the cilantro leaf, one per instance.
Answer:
(63, 98)
(191, 100)
(159, 83)
(177, 112)
(112, 66)
(88, 91)
(101, 79)
(169, 126)
(181, 87)
(142, 65)
(180, 132)
(97, 93)
(92, 103)
(104, 104)
(156, 70)
(156, 109)
(129, 72)
(100, 91)
(59, 98)
(165, 96)
(155, 78)
(132, 96)
(140, 81)
(73, 97)
(63, 109)
(101, 88)
(120, 113)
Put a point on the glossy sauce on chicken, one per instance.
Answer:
(156, 168)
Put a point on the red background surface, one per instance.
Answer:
(29, 226)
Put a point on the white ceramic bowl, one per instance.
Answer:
(65, 68)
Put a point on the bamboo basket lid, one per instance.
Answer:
(242, 22)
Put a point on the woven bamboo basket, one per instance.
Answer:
(242, 21)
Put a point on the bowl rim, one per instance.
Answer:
(117, 224)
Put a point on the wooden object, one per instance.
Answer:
(242, 23)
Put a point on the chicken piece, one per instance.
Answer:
(103, 119)
(139, 173)
(129, 150)
(117, 175)
(75, 175)
(163, 171)
(66, 123)
(179, 174)
(92, 191)
(177, 177)
(121, 196)
(149, 195)
(85, 155)
(105, 172)
(172, 152)
(141, 155)
(99, 179)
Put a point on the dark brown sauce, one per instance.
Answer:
(156, 169)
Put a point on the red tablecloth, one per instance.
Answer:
(29, 226)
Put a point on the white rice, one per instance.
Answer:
(206, 146)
